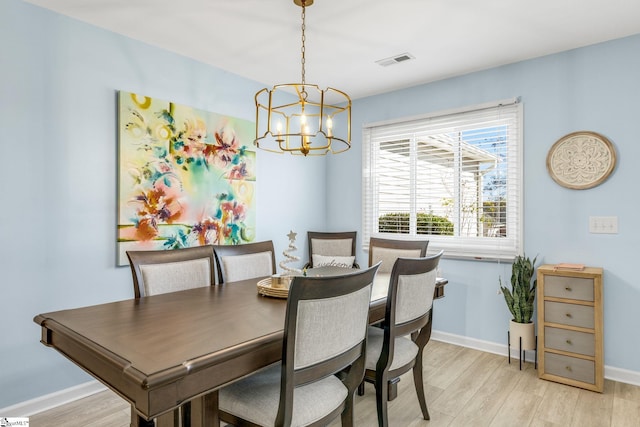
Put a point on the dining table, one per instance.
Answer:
(162, 351)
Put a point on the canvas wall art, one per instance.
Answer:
(186, 176)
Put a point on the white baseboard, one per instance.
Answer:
(476, 344)
(622, 375)
(49, 401)
(610, 373)
(43, 403)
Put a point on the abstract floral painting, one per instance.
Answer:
(186, 176)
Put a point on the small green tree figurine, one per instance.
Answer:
(520, 298)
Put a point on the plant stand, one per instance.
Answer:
(521, 352)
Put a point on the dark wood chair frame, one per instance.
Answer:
(397, 244)
(243, 249)
(340, 235)
(349, 365)
(420, 330)
(138, 258)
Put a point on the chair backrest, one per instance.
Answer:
(410, 296)
(247, 261)
(160, 271)
(315, 306)
(389, 250)
(332, 248)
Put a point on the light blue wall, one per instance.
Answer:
(595, 88)
(58, 85)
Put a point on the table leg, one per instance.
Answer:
(138, 421)
(204, 411)
(170, 419)
(196, 412)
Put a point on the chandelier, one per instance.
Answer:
(300, 118)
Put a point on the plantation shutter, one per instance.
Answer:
(453, 177)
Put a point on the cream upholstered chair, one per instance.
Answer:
(390, 352)
(332, 248)
(302, 389)
(247, 261)
(388, 250)
(161, 271)
(157, 272)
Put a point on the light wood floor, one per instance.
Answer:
(464, 387)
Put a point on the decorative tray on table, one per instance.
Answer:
(275, 286)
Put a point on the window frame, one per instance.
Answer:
(464, 247)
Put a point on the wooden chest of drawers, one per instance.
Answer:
(570, 327)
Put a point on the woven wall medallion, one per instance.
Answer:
(581, 160)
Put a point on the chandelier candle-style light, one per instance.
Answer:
(300, 118)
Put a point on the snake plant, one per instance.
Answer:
(520, 298)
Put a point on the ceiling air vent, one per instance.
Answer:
(395, 59)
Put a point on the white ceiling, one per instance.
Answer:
(261, 39)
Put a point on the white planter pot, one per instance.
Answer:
(524, 330)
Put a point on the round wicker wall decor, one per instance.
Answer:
(581, 160)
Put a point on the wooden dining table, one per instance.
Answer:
(161, 351)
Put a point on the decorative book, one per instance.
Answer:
(568, 266)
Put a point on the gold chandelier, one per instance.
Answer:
(307, 123)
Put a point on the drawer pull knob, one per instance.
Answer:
(568, 368)
(569, 315)
(569, 342)
(568, 289)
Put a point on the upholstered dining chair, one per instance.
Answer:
(388, 250)
(332, 248)
(390, 352)
(319, 372)
(246, 261)
(160, 271)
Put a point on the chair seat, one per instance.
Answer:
(256, 398)
(405, 350)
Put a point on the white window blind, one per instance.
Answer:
(452, 177)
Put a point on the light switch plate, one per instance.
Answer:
(603, 224)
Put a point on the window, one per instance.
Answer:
(453, 177)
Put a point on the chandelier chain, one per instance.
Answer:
(303, 40)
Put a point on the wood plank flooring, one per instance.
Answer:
(464, 387)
